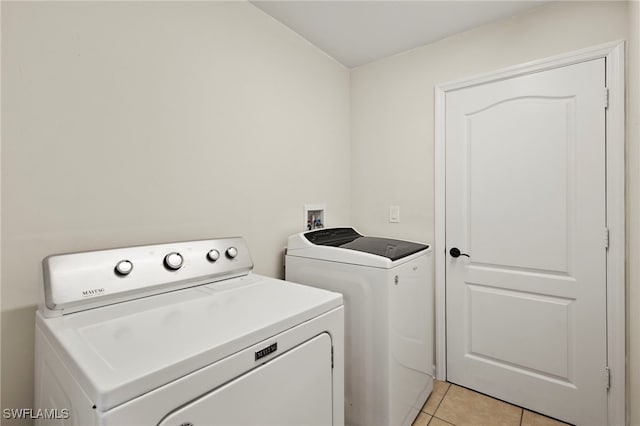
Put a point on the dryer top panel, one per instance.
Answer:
(348, 238)
(121, 351)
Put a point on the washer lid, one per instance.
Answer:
(391, 249)
(121, 351)
(322, 244)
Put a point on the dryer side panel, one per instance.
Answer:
(411, 337)
(58, 396)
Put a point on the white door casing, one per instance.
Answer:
(525, 197)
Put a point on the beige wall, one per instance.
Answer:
(633, 213)
(148, 122)
(392, 108)
(392, 104)
(134, 123)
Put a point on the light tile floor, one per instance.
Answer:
(454, 405)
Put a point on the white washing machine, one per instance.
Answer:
(389, 317)
(184, 334)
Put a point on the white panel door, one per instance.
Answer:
(293, 389)
(525, 199)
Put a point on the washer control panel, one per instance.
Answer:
(79, 281)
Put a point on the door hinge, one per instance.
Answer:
(607, 377)
(606, 97)
(606, 238)
(331, 356)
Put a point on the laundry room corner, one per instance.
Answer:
(217, 140)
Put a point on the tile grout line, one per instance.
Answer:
(442, 399)
(434, 411)
(521, 415)
(522, 409)
(442, 420)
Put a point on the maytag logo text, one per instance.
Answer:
(93, 292)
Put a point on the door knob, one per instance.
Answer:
(455, 252)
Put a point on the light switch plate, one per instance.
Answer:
(394, 214)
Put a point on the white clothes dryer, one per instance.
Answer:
(389, 317)
(185, 334)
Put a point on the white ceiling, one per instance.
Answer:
(358, 32)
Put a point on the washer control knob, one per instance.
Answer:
(124, 267)
(213, 255)
(173, 261)
(232, 252)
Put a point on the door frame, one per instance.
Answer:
(613, 53)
